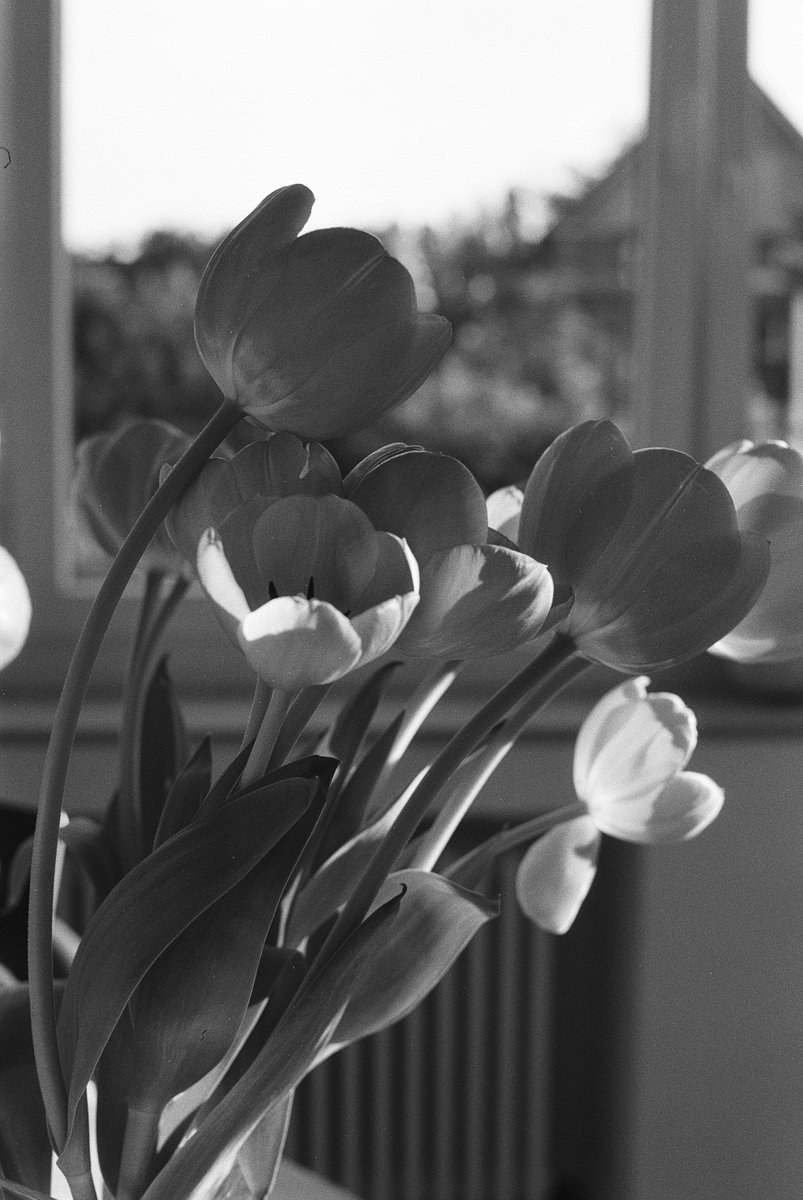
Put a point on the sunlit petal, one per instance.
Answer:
(766, 483)
(477, 601)
(379, 626)
(504, 511)
(632, 742)
(681, 809)
(555, 874)
(292, 642)
(217, 578)
(15, 609)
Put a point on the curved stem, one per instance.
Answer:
(536, 678)
(65, 723)
(469, 869)
(130, 815)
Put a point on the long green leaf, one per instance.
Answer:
(332, 883)
(436, 922)
(24, 1143)
(150, 907)
(286, 1057)
(187, 793)
(184, 1015)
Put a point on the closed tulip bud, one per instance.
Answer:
(116, 474)
(647, 542)
(317, 335)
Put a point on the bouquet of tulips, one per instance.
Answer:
(243, 921)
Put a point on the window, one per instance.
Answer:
(35, 286)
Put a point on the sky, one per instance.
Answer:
(184, 114)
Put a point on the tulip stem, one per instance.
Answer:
(538, 682)
(57, 758)
(469, 870)
(262, 748)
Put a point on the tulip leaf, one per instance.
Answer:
(288, 1054)
(25, 1151)
(163, 749)
(354, 799)
(261, 1153)
(88, 843)
(352, 722)
(19, 874)
(184, 1015)
(333, 882)
(436, 921)
(151, 906)
(223, 787)
(187, 793)
(298, 717)
(9, 1188)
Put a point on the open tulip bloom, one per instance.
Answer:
(242, 921)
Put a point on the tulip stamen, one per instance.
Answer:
(272, 592)
(311, 589)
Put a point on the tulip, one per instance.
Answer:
(15, 609)
(629, 774)
(766, 484)
(116, 475)
(307, 586)
(477, 599)
(317, 335)
(647, 542)
(281, 465)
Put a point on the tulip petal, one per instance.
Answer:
(576, 498)
(504, 511)
(772, 631)
(301, 538)
(395, 573)
(682, 609)
(477, 601)
(293, 643)
(555, 874)
(431, 500)
(378, 628)
(244, 254)
(217, 577)
(675, 504)
(681, 809)
(15, 609)
(116, 475)
(373, 460)
(750, 470)
(631, 743)
(357, 382)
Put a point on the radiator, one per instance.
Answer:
(451, 1103)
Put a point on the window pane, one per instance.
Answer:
(454, 131)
